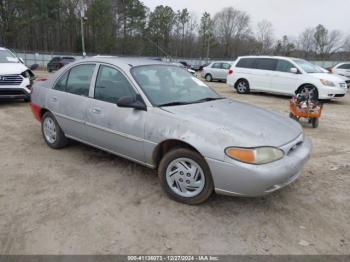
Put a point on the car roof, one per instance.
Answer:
(265, 56)
(342, 63)
(229, 62)
(130, 61)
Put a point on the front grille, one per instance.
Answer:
(10, 80)
(11, 92)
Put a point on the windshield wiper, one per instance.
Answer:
(178, 103)
(174, 104)
(207, 99)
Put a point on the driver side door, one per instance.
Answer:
(115, 129)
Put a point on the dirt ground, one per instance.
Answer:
(80, 200)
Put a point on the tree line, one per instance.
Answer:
(128, 27)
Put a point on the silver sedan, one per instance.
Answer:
(160, 116)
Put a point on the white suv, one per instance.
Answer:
(15, 77)
(283, 75)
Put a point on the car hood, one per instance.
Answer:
(12, 68)
(240, 124)
(329, 77)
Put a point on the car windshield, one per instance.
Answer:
(171, 85)
(308, 67)
(7, 57)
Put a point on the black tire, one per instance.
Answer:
(61, 141)
(199, 160)
(27, 99)
(307, 88)
(208, 78)
(315, 122)
(242, 86)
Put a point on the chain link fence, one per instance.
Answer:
(42, 58)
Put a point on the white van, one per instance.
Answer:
(283, 75)
(15, 77)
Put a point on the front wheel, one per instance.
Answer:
(52, 133)
(185, 176)
(208, 78)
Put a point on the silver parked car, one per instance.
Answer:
(160, 116)
(216, 71)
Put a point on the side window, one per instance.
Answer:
(284, 66)
(266, 64)
(79, 80)
(246, 63)
(216, 65)
(226, 66)
(62, 82)
(345, 66)
(111, 85)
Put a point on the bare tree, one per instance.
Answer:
(265, 37)
(306, 42)
(230, 25)
(326, 42)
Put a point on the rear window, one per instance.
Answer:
(246, 63)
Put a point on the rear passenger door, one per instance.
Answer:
(283, 81)
(116, 129)
(264, 69)
(68, 100)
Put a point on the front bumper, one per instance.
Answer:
(332, 93)
(241, 179)
(12, 92)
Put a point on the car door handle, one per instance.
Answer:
(53, 99)
(96, 111)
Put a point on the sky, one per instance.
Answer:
(288, 17)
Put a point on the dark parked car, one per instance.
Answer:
(58, 62)
(185, 64)
(198, 67)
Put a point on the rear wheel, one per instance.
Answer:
(52, 133)
(242, 86)
(185, 176)
(208, 78)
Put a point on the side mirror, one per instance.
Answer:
(34, 67)
(294, 70)
(21, 60)
(135, 102)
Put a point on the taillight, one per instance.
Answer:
(230, 72)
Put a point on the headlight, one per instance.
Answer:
(25, 74)
(327, 83)
(255, 156)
